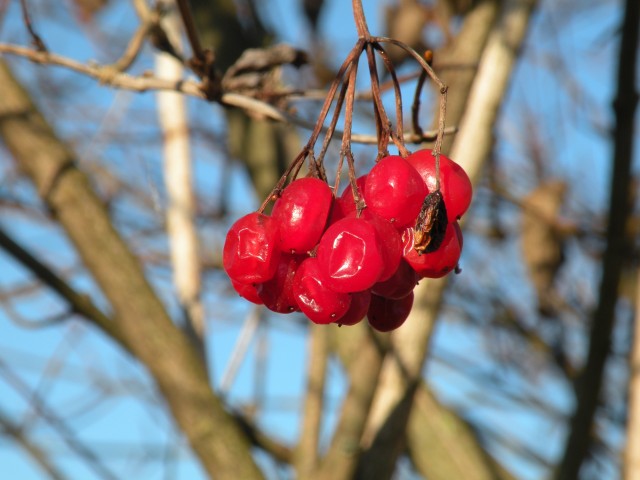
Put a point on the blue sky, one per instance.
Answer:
(68, 364)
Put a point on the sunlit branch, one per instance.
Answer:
(110, 76)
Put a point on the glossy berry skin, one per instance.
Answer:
(250, 254)
(350, 255)
(395, 191)
(344, 205)
(386, 314)
(247, 291)
(401, 283)
(357, 310)
(390, 239)
(301, 212)
(346, 199)
(455, 185)
(277, 293)
(318, 302)
(440, 262)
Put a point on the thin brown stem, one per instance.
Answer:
(415, 107)
(361, 22)
(352, 58)
(383, 128)
(191, 30)
(398, 138)
(37, 41)
(443, 97)
(345, 150)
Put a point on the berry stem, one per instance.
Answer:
(443, 96)
(398, 138)
(361, 21)
(345, 150)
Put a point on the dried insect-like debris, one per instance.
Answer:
(431, 224)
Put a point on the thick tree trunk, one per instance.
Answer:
(138, 313)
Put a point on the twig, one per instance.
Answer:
(203, 61)
(79, 303)
(37, 453)
(144, 83)
(67, 435)
(615, 255)
(37, 41)
(247, 333)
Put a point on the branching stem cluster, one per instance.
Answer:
(342, 94)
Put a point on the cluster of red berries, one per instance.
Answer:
(316, 254)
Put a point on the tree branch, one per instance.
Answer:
(615, 255)
(79, 303)
(341, 459)
(307, 450)
(139, 314)
(36, 453)
(108, 75)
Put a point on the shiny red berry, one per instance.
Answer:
(277, 293)
(395, 191)
(390, 239)
(440, 262)
(250, 254)
(350, 255)
(317, 301)
(401, 283)
(455, 185)
(301, 212)
(247, 291)
(347, 202)
(386, 314)
(359, 306)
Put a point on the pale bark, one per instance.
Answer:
(632, 449)
(181, 229)
(363, 365)
(306, 459)
(470, 149)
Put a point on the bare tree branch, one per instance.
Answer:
(341, 459)
(78, 302)
(307, 450)
(178, 370)
(590, 380)
(37, 453)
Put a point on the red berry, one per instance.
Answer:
(277, 293)
(247, 291)
(346, 199)
(302, 213)
(359, 306)
(401, 283)
(454, 182)
(440, 262)
(350, 255)
(250, 254)
(395, 191)
(386, 314)
(317, 301)
(389, 238)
